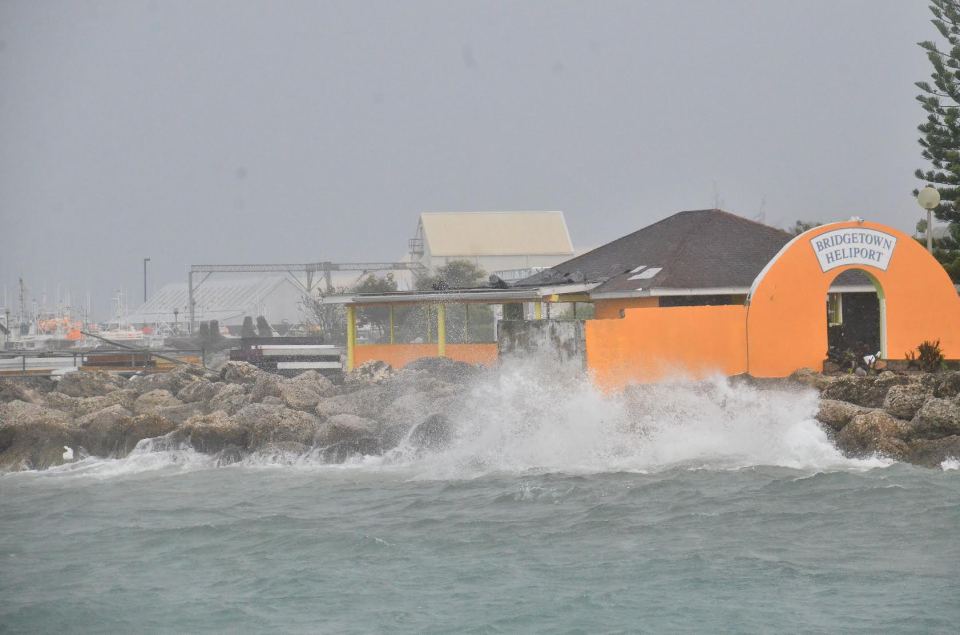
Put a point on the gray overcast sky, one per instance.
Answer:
(204, 132)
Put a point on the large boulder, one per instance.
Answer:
(368, 402)
(277, 424)
(314, 381)
(212, 433)
(60, 401)
(239, 373)
(199, 390)
(358, 446)
(838, 414)
(371, 372)
(866, 391)
(299, 396)
(123, 397)
(266, 385)
(179, 414)
(947, 384)
(150, 401)
(344, 427)
(114, 431)
(15, 389)
(230, 398)
(903, 401)
(433, 433)
(34, 436)
(89, 383)
(933, 452)
(102, 431)
(875, 432)
(811, 378)
(937, 418)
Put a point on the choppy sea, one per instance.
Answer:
(724, 509)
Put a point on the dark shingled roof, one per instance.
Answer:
(699, 249)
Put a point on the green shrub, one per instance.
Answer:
(928, 358)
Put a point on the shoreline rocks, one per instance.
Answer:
(235, 412)
(241, 411)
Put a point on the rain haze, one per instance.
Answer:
(246, 132)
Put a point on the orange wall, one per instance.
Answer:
(786, 322)
(656, 343)
(399, 355)
(610, 309)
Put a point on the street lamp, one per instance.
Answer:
(929, 198)
(145, 261)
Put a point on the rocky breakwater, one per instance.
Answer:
(237, 411)
(912, 417)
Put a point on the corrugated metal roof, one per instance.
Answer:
(496, 233)
(216, 299)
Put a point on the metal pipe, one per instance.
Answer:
(441, 330)
(351, 336)
(145, 261)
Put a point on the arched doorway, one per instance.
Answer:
(786, 328)
(856, 318)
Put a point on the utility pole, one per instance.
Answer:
(145, 261)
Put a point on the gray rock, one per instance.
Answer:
(179, 415)
(212, 433)
(344, 427)
(266, 385)
(239, 373)
(903, 401)
(199, 390)
(811, 378)
(281, 425)
(343, 450)
(838, 414)
(103, 431)
(314, 381)
(89, 384)
(370, 372)
(434, 433)
(60, 401)
(299, 396)
(272, 401)
(230, 398)
(124, 397)
(150, 401)
(17, 389)
(875, 432)
(34, 436)
(933, 452)
(863, 391)
(114, 431)
(937, 418)
(947, 384)
(367, 402)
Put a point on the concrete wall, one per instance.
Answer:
(657, 343)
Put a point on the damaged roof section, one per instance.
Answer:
(705, 251)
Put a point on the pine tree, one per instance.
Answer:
(941, 130)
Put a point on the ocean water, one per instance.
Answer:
(679, 508)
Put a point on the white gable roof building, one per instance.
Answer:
(494, 241)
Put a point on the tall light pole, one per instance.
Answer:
(145, 261)
(929, 198)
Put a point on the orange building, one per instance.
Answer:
(706, 292)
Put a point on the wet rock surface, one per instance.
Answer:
(911, 417)
(242, 411)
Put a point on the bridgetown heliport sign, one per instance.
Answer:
(851, 246)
